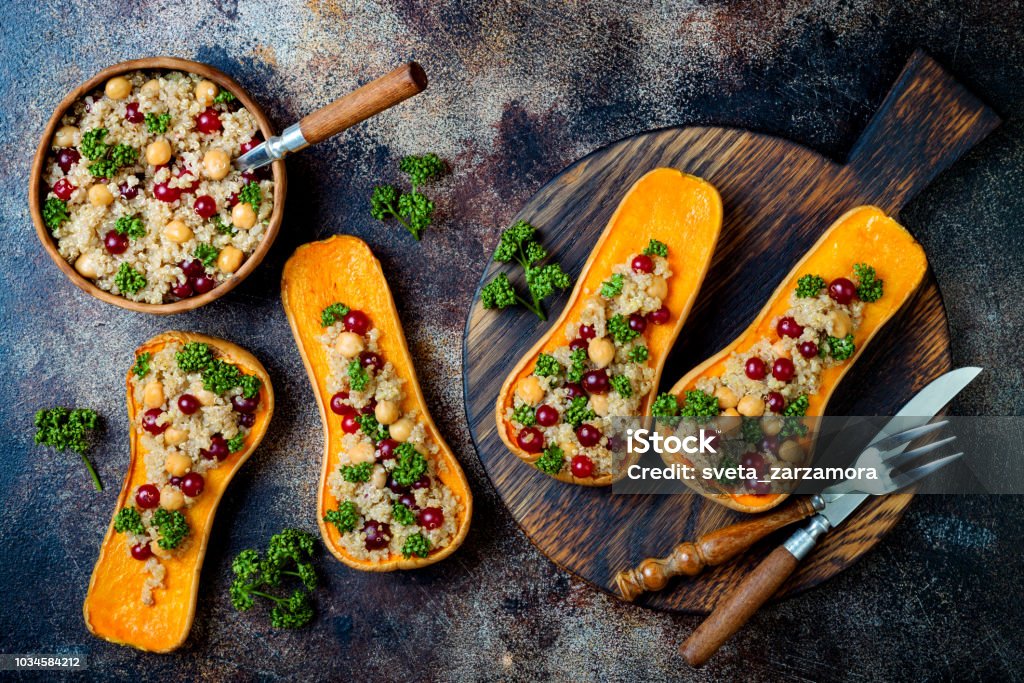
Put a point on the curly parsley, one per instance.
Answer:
(840, 349)
(417, 545)
(524, 415)
(345, 518)
(131, 226)
(402, 514)
(809, 286)
(158, 123)
(129, 280)
(551, 461)
(639, 353)
(55, 213)
(699, 404)
(236, 442)
(410, 465)
(92, 145)
(129, 519)
(547, 366)
(252, 195)
(173, 528)
(869, 287)
(333, 314)
(141, 367)
(577, 413)
(620, 330)
(357, 473)
(665, 405)
(613, 286)
(622, 385)
(577, 365)
(207, 254)
(656, 248)
(358, 377)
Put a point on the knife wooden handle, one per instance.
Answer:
(714, 548)
(359, 105)
(737, 607)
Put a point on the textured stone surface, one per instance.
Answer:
(517, 92)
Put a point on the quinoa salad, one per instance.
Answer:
(143, 199)
(565, 409)
(390, 499)
(764, 391)
(196, 411)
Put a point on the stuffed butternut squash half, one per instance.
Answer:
(602, 359)
(781, 372)
(197, 408)
(392, 495)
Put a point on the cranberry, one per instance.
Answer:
(180, 172)
(421, 483)
(142, 552)
(660, 316)
(370, 407)
(369, 359)
(149, 423)
(208, 121)
(776, 402)
(242, 404)
(788, 327)
(63, 189)
(132, 113)
(147, 496)
(530, 440)
(249, 177)
(770, 444)
(637, 323)
(350, 423)
(193, 268)
(378, 535)
(247, 419)
(578, 344)
(409, 501)
(582, 466)
(231, 200)
(754, 460)
(587, 332)
(67, 157)
(547, 416)
(642, 263)
(338, 405)
(754, 368)
(205, 206)
(192, 484)
(386, 449)
(128, 191)
(182, 290)
(808, 349)
(842, 290)
(395, 487)
(115, 242)
(166, 193)
(188, 404)
(574, 390)
(758, 487)
(203, 284)
(357, 321)
(782, 369)
(595, 381)
(218, 448)
(430, 518)
(174, 481)
(588, 435)
(256, 141)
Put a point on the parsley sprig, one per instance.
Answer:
(519, 244)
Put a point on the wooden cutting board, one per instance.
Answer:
(778, 198)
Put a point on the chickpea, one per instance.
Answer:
(158, 152)
(349, 344)
(841, 323)
(177, 464)
(601, 351)
(66, 136)
(177, 231)
(599, 403)
(151, 87)
(727, 398)
(206, 398)
(529, 390)
(568, 448)
(205, 92)
(86, 266)
(99, 195)
(731, 412)
(174, 436)
(153, 395)
(118, 88)
(790, 451)
(771, 426)
(401, 429)
(386, 412)
(229, 259)
(242, 216)
(379, 478)
(171, 498)
(361, 452)
(658, 287)
(751, 406)
(216, 164)
(780, 350)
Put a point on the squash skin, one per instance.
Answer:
(649, 209)
(111, 608)
(864, 234)
(343, 268)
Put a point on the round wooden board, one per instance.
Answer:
(778, 198)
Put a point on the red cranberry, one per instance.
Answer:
(149, 423)
(770, 444)
(132, 113)
(128, 191)
(386, 449)
(166, 193)
(369, 408)
(205, 206)
(255, 142)
(369, 359)
(249, 177)
(181, 172)
(67, 157)
(754, 368)
(350, 423)
(174, 481)
(182, 290)
(808, 349)
(595, 381)
(203, 284)
(357, 321)
(395, 487)
(147, 496)
(242, 404)
(582, 466)
(193, 268)
(192, 484)
(547, 416)
(530, 440)
(208, 121)
(754, 460)
(589, 435)
(642, 263)
(63, 189)
(142, 552)
(578, 344)
(637, 323)
(782, 369)
(409, 501)
(188, 404)
(421, 483)
(247, 419)
(218, 448)
(115, 242)
(660, 316)
(587, 332)
(430, 518)
(788, 327)
(378, 535)
(338, 405)
(758, 487)
(574, 390)
(776, 403)
(842, 290)
(231, 200)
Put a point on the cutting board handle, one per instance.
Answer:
(927, 121)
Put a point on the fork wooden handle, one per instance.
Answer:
(714, 548)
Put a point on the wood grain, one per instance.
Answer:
(779, 197)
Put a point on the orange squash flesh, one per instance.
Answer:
(112, 607)
(862, 235)
(343, 269)
(678, 209)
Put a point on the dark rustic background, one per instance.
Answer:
(517, 92)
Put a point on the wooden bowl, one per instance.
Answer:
(36, 191)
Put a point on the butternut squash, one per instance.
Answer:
(679, 210)
(112, 606)
(862, 235)
(343, 269)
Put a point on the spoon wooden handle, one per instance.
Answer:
(359, 105)
(714, 548)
